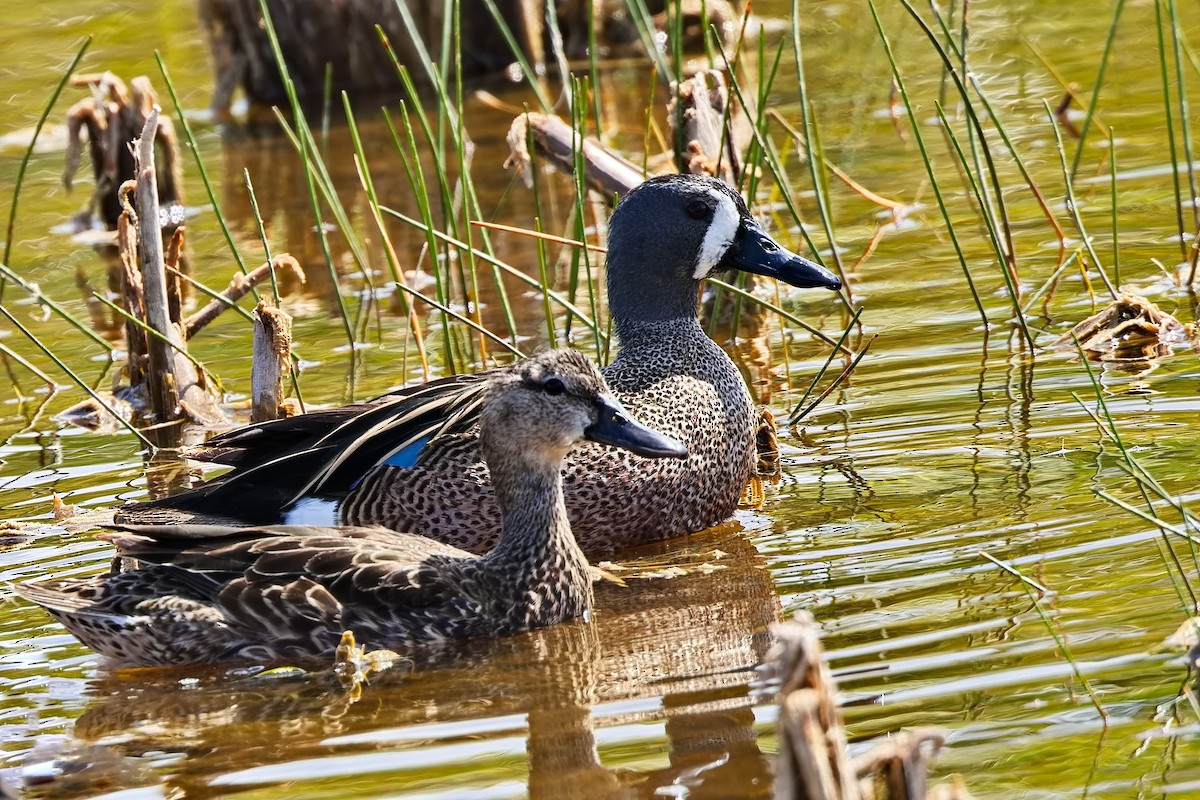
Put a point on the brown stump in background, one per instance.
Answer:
(316, 35)
(113, 117)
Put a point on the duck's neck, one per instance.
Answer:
(538, 565)
(662, 335)
(641, 298)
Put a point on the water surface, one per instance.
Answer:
(949, 442)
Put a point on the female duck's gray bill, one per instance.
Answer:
(617, 428)
(755, 251)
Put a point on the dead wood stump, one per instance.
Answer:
(113, 116)
(813, 760)
(316, 35)
(272, 351)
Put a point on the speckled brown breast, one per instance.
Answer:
(672, 378)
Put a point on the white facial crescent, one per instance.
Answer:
(724, 226)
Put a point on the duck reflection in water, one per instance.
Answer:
(675, 646)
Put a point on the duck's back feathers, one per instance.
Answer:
(206, 593)
(324, 454)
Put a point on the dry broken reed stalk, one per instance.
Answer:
(813, 762)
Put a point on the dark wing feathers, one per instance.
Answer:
(264, 441)
(325, 455)
(251, 445)
(376, 435)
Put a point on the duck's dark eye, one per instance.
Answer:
(698, 209)
(553, 386)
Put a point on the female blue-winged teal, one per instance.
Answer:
(410, 460)
(209, 594)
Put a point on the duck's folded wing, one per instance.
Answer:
(255, 444)
(300, 570)
(325, 454)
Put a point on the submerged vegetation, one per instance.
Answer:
(985, 440)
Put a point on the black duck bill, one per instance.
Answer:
(755, 251)
(615, 427)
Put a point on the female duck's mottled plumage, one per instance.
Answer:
(206, 594)
(410, 460)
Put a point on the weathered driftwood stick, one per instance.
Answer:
(813, 762)
(703, 116)
(272, 348)
(114, 116)
(131, 289)
(175, 386)
(163, 383)
(175, 290)
(238, 288)
(899, 768)
(604, 170)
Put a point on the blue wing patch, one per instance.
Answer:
(407, 458)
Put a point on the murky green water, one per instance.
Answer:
(946, 444)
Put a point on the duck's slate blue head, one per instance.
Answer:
(672, 231)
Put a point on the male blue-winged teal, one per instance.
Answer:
(206, 594)
(410, 460)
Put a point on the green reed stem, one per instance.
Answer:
(137, 323)
(418, 43)
(15, 356)
(675, 25)
(751, 189)
(711, 35)
(1036, 591)
(1153, 519)
(767, 304)
(1169, 124)
(1112, 190)
(262, 234)
(465, 191)
(75, 378)
(1045, 287)
(1073, 205)
(189, 139)
(1109, 428)
(593, 69)
(309, 159)
(28, 154)
(544, 274)
(440, 169)
(644, 22)
(795, 415)
(416, 178)
(579, 112)
(816, 159)
(1118, 7)
(531, 76)
(495, 262)
(1009, 264)
(976, 188)
(540, 245)
(1013, 151)
(778, 174)
(35, 292)
(1184, 112)
(933, 182)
